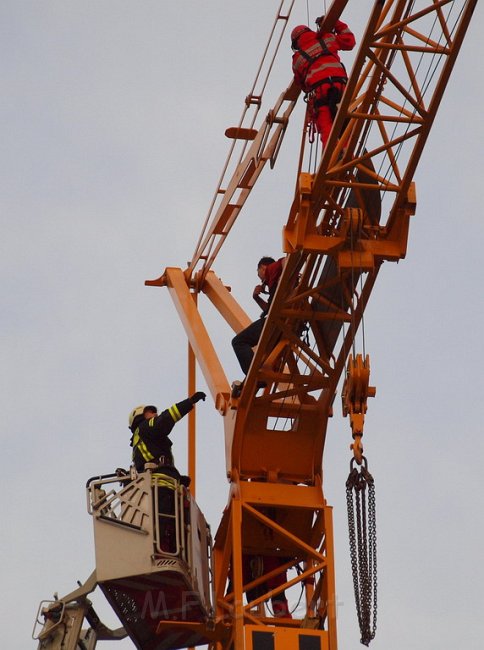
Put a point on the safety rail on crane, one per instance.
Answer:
(249, 160)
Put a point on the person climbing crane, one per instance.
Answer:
(319, 72)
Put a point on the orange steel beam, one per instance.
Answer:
(334, 257)
(391, 73)
(236, 570)
(384, 40)
(198, 337)
(333, 13)
(192, 428)
(265, 147)
(225, 303)
(259, 518)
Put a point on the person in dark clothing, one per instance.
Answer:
(151, 444)
(269, 272)
(150, 440)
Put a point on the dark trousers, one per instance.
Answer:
(245, 341)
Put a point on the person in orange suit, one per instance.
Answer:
(318, 70)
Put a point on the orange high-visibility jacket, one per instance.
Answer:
(316, 58)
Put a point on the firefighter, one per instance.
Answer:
(269, 272)
(150, 440)
(319, 72)
(151, 444)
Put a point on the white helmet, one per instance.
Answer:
(138, 410)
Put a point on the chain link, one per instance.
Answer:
(362, 536)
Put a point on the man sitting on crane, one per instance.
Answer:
(319, 72)
(269, 272)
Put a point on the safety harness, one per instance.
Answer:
(315, 51)
(310, 56)
(332, 97)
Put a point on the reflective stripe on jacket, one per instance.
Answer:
(141, 447)
(316, 57)
(151, 438)
(163, 480)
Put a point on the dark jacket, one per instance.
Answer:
(150, 439)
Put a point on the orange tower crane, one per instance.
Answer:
(348, 216)
(346, 219)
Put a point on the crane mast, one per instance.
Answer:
(350, 213)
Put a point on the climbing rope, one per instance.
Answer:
(360, 499)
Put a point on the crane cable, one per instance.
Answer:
(360, 497)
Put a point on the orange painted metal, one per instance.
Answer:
(224, 302)
(192, 428)
(346, 219)
(354, 396)
(198, 337)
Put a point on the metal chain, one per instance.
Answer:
(362, 536)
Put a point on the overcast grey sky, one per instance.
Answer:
(113, 114)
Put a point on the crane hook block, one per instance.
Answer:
(356, 390)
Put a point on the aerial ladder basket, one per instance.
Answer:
(153, 564)
(153, 551)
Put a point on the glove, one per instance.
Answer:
(197, 397)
